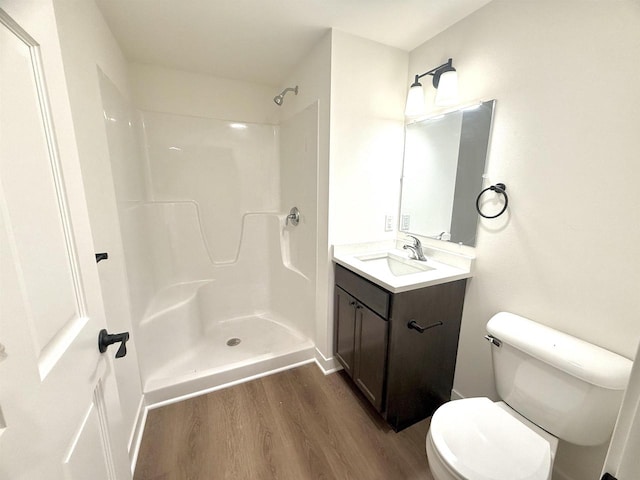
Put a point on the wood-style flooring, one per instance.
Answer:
(297, 424)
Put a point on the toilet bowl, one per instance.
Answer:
(554, 386)
(477, 439)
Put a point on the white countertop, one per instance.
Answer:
(446, 266)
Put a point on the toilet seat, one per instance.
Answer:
(479, 440)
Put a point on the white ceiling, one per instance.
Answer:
(262, 40)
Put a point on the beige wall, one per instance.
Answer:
(167, 90)
(565, 75)
(87, 44)
(367, 136)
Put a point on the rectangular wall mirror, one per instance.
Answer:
(444, 161)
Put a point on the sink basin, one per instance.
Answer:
(387, 265)
(394, 264)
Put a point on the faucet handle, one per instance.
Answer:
(294, 217)
(412, 251)
(416, 248)
(416, 241)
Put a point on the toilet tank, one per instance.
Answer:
(567, 386)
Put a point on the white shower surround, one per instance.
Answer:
(183, 333)
(182, 336)
(209, 256)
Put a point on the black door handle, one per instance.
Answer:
(105, 339)
(608, 476)
(413, 324)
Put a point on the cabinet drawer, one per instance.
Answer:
(367, 293)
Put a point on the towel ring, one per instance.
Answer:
(499, 188)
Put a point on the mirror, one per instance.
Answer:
(444, 161)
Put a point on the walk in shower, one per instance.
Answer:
(222, 286)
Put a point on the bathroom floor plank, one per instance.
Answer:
(300, 426)
(297, 424)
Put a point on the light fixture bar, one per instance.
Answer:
(436, 72)
(415, 97)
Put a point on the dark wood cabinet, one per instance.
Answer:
(371, 357)
(345, 320)
(422, 365)
(406, 374)
(361, 345)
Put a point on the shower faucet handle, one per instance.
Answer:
(294, 217)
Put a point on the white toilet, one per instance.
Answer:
(554, 386)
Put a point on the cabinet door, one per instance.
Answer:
(371, 354)
(422, 365)
(345, 329)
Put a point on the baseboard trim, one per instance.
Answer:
(136, 423)
(456, 395)
(136, 434)
(327, 365)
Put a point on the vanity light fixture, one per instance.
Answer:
(445, 81)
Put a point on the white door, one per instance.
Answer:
(59, 410)
(623, 458)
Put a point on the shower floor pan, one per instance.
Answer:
(219, 359)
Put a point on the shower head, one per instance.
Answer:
(279, 99)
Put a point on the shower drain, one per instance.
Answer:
(232, 342)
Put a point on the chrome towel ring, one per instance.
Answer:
(500, 188)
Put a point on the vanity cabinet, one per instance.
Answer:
(361, 345)
(405, 374)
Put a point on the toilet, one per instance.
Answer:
(553, 386)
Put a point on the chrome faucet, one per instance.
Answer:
(416, 249)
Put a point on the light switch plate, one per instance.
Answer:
(388, 223)
(405, 222)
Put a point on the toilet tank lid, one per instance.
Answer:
(588, 362)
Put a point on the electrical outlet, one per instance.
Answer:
(388, 223)
(405, 222)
